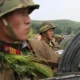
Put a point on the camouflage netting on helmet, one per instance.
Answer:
(7, 6)
(45, 26)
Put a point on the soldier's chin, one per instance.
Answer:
(23, 39)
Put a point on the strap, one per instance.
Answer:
(9, 29)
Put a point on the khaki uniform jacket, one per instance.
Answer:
(54, 45)
(43, 51)
(7, 73)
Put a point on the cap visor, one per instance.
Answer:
(32, 8)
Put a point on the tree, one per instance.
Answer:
(69, 30)
(57, 30)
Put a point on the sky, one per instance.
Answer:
(57, 9)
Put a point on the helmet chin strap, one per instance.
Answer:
(10, 30)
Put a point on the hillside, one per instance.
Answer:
(62, 26)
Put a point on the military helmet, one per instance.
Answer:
(7, 6)
(46, 26)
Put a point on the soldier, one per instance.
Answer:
(41, 49)
(14, 26)
(46, 32)
(14, 30)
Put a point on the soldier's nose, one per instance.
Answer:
(27, 20)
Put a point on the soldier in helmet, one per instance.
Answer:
(46, 31)
(14, 26)
(14, 30)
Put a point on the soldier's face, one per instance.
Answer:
(19, 21)
(49, 34)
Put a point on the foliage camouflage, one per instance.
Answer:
(26, 65)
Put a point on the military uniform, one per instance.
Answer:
(44, 52)
(6, 73)
(41, 50)
(8, 6)
(46, 35)
(55, 42)
(54, 45)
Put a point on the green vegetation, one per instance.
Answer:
(31, 33)
(26, 65)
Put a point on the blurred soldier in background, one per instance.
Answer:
(47, 35)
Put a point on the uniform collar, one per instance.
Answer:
(16, 45)
(24, 44)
